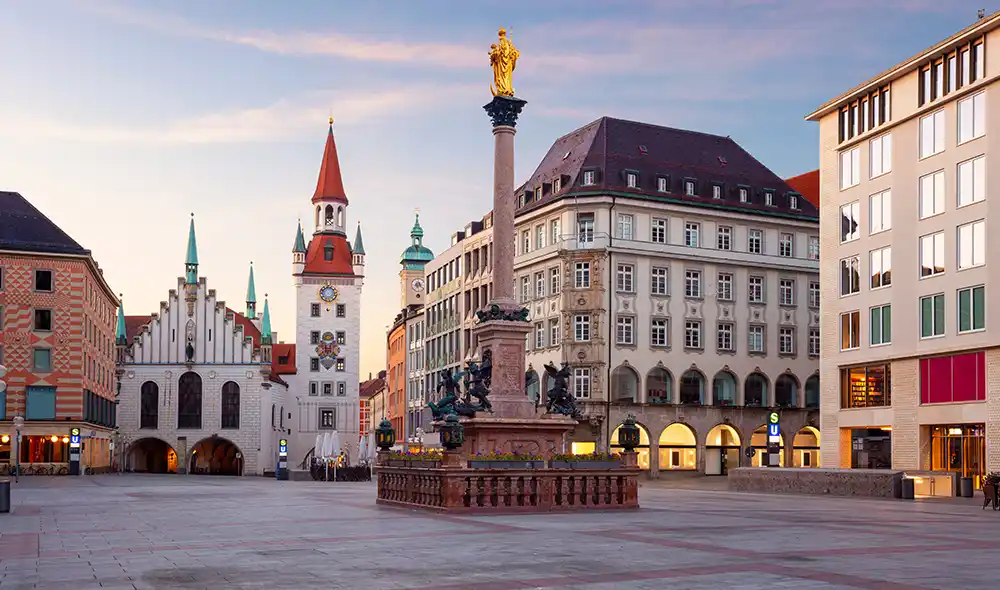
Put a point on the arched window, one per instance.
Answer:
(189, 401)
(786, 391)
(624, 385)
(659, 389)
(340, 217)
(274, 421)
(281, 417)
(724, 389)
(755, 391)
(532, 386)
(692, 387)
(230, 405)
(812, 392)
(149, 405)
(318, 210)
(329, 215)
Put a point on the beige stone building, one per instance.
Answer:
(678, 277)
(911, 366)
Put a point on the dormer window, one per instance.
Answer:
(631, 179)
(689, 186)
(716, 191)
(793, 201)
(328, 252)
(589, 177)
(744, 194)
(769, 198)
(538, 194)
(556, 185)
(663, 184)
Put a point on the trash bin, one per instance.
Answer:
(907, 488)
(4, 496)
(965, 487)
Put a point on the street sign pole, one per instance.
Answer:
(773, 455)
(74, 451)
(282, 472)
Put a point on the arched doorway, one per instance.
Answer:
(759, 442)
(532, 386)
(624, 384)
(755, 391)
(812, 392)
(722, 450)
(659, 386)
(786, 391)
(678, 448)
(724, 389)
(692, 388)
(805, 448)
(642, 451)
(151, 455)
(216, 456)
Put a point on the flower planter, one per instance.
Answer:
(586, 465)
(491, 464)
(396, 463)
(424, 464)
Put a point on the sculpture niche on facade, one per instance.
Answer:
(476, 379)
(560, 400)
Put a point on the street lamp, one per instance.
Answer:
(18, 423)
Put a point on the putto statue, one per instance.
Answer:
(560, 400)
(476, 379)
(503, 58)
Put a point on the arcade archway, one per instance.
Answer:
(722, 449)
(216, 456)
(151, 455)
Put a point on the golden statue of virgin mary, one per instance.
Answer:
(503, 58)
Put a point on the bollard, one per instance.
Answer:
(907, 488)
(4, 496)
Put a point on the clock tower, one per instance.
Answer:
(412, 283)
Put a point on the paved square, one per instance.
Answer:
(147, 531)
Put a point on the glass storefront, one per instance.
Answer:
(865, 387)
(871, 448)
(960, 448)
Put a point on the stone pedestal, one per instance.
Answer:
(544, 436)
(504, 340)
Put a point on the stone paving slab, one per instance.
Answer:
(192, 532)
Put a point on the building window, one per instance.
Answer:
(230, 405)
(631, 179)
(814, 295)
(41, 360)
(581, 328)
(755, 241)
(340, 364)
(932, 316)
(43, 320)
(582, 275)
(625, 330)
(881, 155)
(149, 405)
(589, 177)
(539, 237)
(555, 332)
(755, 338)
(972, 244)
(189, 401)
(692, 283)
(624, 282)
(556, 232)
(716, 191)
(769, 198)
(786, 341)
(689, 188)
(327, 418)
(814, 341)
(525, 289)
(744, 194)
(850, 222)
(525, 242)
(793, 202)
(341, 389)
(865, 387)
(328, 388)
(880, 263)
(314, 310)
(539, 335)
(880, 212)
(786, 245)
(755, 289)
(659, 332)
(932, 194)
(972, 181)
(881, 325)
(658, 231)
(43, 280)
(724, 336)
(314, 365)
(972, 118)
(585, 228)
(691, 231)
(724, 238)
(661, 184)
(932, 134)
(341, 338)
(556, 185)
(313, 390)
(932, 254)
(341, 310)
(850, 276)
(972, 309)
(850, 168)
(581, 382)
(724, 287)
(539, 285)
(692, 334)
(813, 248)
(658, 281)
(786, 292)
(314, 337)
(850, 330)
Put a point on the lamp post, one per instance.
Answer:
(18, 423)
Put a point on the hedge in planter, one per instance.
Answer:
(588, 461)
(516, 460)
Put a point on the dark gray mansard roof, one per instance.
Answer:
(26, 229)
(614, 147)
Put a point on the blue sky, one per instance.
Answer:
(118, 119)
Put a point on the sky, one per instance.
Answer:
(119, 119)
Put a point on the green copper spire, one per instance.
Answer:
(251, 296)
(417, 231)
(417, 255)
(358, 247)
(191, 264)
(300, 240)
(120, 337)
(265, 324)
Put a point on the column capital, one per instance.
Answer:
(504, 110)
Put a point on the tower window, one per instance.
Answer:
(328, 252)
(341, 310)
(314, 310)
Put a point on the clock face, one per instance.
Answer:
(417, 284)
(328, 293)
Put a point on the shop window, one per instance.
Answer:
(865, 387)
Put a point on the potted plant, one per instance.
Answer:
(515, 460)
(414, 459)
(588, 461)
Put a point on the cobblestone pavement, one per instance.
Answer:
(136, 531)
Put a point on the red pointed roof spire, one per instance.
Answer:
(330, 186)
